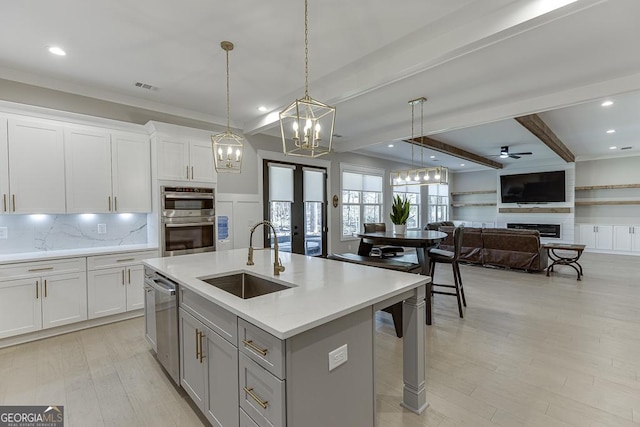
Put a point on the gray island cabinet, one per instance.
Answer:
(302, 356)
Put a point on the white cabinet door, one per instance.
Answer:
(20, 307)
(173, 159)
(635, 239)
(201, 159)
(131, 173)
(604, 237)
(88, 168)
(4, 167)
(222, 379)
(64, 299)
(588, 235)
(192, 369)
(106, 293)
(36, 176)
(622, 237)
(135, 287)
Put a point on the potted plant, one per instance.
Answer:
(400, 214)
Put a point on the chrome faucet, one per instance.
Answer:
(277, 263)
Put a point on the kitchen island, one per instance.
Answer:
(304, 354)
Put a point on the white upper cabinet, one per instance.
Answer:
(36, 175)
(106, 172)
(4, 167)
(131, 173)
(185, 160)
(88, 167)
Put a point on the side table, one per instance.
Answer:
(563, 259)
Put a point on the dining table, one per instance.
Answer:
(421, 240)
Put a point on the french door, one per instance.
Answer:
(295, 203)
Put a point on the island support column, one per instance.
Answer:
(414, 394)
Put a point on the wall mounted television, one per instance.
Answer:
(540, 187)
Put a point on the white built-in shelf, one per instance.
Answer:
(462, 205)
(534, 210)
(606, 202)
(607, 187)
(464, 193)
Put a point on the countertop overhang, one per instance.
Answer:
(321, 290)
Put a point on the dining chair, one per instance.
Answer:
(447, 257)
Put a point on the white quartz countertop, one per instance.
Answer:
(72, 253)
(321, 290)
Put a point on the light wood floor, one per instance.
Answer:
(531, 351)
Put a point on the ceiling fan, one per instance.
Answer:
(504, 153)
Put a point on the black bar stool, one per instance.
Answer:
(447, 257)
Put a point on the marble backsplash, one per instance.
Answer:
(34, 233)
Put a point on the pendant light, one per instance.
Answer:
(306, 125)
(227, 146)
(418, 175)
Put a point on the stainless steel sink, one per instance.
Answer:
(245, 285)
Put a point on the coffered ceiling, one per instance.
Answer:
(479, 62)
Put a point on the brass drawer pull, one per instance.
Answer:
(202, 356)
(263, 403)
(197, 347)
(125, 260)
(252, 346)
(41, 269)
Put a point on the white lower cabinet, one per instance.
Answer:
(115, 283)
(209, 371)
(595, 236)
(31, 301)
(626, 238)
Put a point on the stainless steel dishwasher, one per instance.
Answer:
(166, 320)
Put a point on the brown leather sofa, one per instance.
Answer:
(502, 247)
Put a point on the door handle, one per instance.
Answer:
(37, 285)
(187, 171)
(4, 203)
(202, 356)
(191, 172)
(115, 203)
(45, 288)
(109, 198)
(13, 198)
(123, 277)
(197, 347)
(129, 274)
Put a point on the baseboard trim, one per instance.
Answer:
(60, 330)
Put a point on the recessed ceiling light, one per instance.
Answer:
(607, 103)
(611, 131)
(432, 157)
(461, 164)
(262, 108)
(613, 148)
(390, 145)
(57, 51)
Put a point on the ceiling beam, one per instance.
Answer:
(534, 124)
(425, 141)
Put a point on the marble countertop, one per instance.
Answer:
(321, 290)
(72, 253)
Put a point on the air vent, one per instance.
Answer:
(145, 86)
(626, 148)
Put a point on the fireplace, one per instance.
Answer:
(546, 230)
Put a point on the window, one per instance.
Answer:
(361, 200)
(412, 194)
(438, 203)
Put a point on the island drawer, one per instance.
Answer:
(40, 268)
(118, 260)
(262, 395)
(262, 347)
(245, 420)
(217, 318)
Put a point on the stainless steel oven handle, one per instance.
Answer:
(158, 286)
(188, 224)
(190, 196)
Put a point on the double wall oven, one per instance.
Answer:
(188, 220)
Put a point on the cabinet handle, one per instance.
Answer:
(197, 347)
(252, 346)
(191, 172)
(41, 269)
(4, 203)
(202, 356)
(125, 259)
(187, 171)
(129, 274)
(13, 198)
(45, 288)
(115, 203)
(109, 198)
(122, 277)
(263, 403)
(37, 286)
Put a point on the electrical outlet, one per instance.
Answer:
(337, 357)
(4, 233)
(102, 228)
